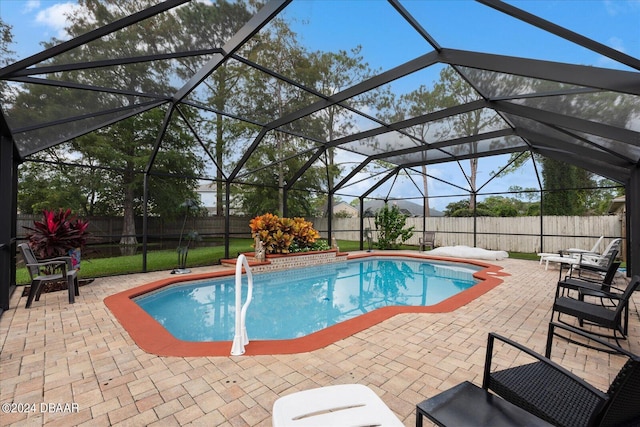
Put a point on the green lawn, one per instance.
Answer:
(156, 260)
(168, 259)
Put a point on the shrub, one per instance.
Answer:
(390, 223)
(304, 233)
(283, 235)
(57, 233)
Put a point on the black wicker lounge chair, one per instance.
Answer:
(595, 271)
(574, 283)
(596, 313)
(585, 262)
(538, 393)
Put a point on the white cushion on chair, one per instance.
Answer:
(335, 406)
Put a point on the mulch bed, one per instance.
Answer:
(56, 286)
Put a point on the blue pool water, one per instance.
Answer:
(294, 303)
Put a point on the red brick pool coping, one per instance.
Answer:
(153, 338)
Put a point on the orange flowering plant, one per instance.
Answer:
(284, 235)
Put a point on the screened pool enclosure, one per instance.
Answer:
(387, 100)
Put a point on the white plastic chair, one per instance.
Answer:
(335, 406)
(588, 259)
(571, 251)
(593, 250)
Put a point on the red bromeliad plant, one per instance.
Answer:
(278, 234)
(57, 233)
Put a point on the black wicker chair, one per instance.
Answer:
(586, 284)
(597, 314)
(597, 270)
(538, 393)
(591, 263)
(599, 283)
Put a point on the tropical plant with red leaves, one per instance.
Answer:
(58, 232)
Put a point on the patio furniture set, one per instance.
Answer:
(541, 392)
(538, 392)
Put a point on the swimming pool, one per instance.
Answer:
(154, 338)
(298, 302)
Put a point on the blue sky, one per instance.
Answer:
(388, 41)
(471, 26)
(615, 23)
(34, 21)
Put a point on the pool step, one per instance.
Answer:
(253, 262)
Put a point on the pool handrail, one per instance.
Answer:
(240, 338)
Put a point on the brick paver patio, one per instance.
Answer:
(75, 364)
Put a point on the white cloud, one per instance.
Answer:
(56, 17)
(619, 7)
(616, 43)
(31, 5)
(612, 7)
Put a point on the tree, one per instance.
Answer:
(497, 206)
(119, 154)
(48, 186)
(449, 91)
(416, 103)
(566, 185)
(454, 90)
(125, 137)
(462, 209)
(454, 209)
(390, 223)
(566, 188)
(259, 199)
(6, 55)
(265, 98)
(500, 206)
(216, 23)
(332, 73)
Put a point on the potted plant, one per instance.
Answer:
(60, 233)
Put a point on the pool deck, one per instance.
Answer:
(80, 355)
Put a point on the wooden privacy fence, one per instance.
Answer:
(513, 234)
